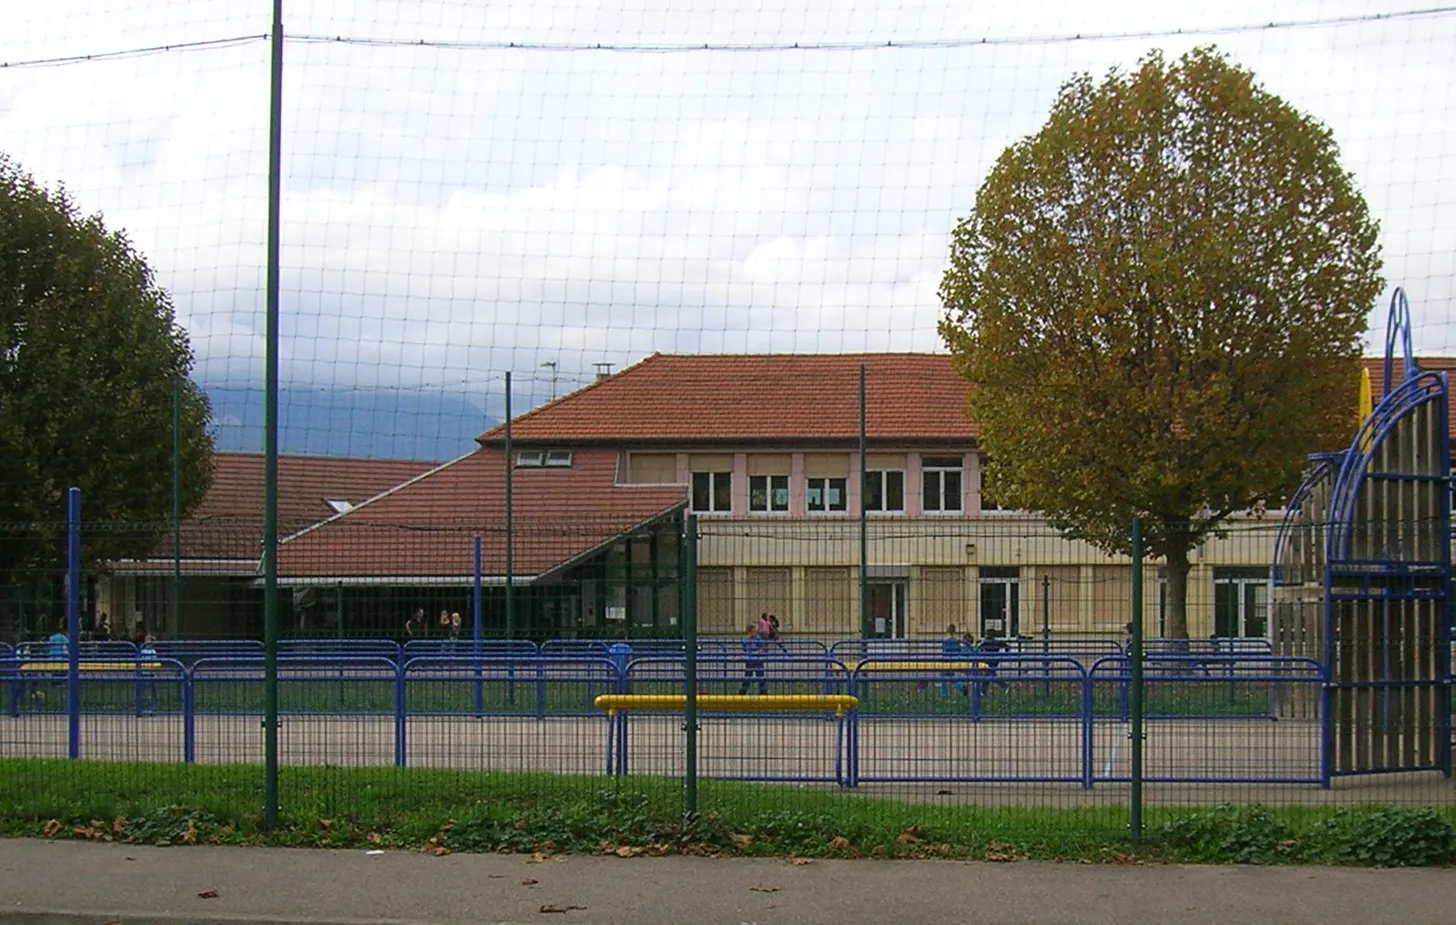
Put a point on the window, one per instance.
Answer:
(1241, 602)
(712, 492)
(884, 490)
(826, 495)
(535, 459)
(340, 505)
(941, 483)
(768, 493)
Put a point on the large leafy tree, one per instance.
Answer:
(90, 356)
(1158, 302)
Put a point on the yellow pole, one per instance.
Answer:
(1366, 406)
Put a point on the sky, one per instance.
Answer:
(543, 186)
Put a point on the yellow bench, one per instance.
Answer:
(52, 667)
(839, 704)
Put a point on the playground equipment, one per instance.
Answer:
(1362, 574)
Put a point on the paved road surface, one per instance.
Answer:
(75, 883)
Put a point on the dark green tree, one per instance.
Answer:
(1158, 302)
(90, 356)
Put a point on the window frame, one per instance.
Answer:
(771, 487)
(939, 470)
(883, 477)
(824, 484)
(530, 459)
(713, 489)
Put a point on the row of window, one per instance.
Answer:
(884, 490)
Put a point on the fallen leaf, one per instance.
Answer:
(164, 844)
(52, 828)
(630, 851)
(326, 824)
(742, 842)
(945, 793)
(530, 881)
(547, 847)
(840, 843)
(189, 837)
(764, 889)
(908, 837)
(208, 894)
(536, 857)
(118, 825)
(659, 851)
(375, 838)
(519, 825)
(439, 851)
(800, 862)
(549, 908)
(131, 859)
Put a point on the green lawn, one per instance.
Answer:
(461, 811)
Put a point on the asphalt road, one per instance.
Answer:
(78, 883)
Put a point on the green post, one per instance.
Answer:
(1135, 659)
(510, 523)
(270, 432)
(177, 508)
(864, 522)
(690, 662)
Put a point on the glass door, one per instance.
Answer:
(1000, 604)
(886, 609)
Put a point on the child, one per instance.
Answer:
(753, 648)
(950, 650)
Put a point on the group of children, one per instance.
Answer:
(447, 626)
(953, 646)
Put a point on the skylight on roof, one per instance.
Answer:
(340, 505)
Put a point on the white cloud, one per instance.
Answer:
(451, 213)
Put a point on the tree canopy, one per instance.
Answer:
(89, 361)
(1158, 301)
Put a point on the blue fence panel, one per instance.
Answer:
(339, 648)
(111, 649)
(1213, 719)
(467, 648)
(799, 746)
(507, 714)
(1218, 645)
(125, 711)
(188, 651)
(332, 710)
(1008, 718)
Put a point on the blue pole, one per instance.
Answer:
(73, 621)
(477, 615)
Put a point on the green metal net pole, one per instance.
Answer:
(177, 508)
(690, 664)
(270, 434)
(510, 523)
(864, 524)
(1135, 658)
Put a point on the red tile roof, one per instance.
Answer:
(425, 528)
(760, 398)
(1377, 379)
(735, 399)
(224, 535)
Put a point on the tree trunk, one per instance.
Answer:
(1176, 620)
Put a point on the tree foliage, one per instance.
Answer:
(88, 364)
(1158, 302)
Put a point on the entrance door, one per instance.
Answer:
(1000, 602)
(1241, 603)
(886, 609)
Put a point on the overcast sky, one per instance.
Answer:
(453, 212)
